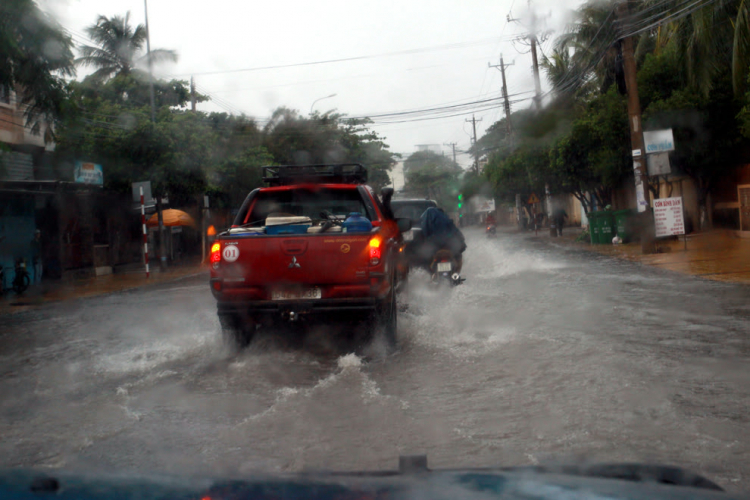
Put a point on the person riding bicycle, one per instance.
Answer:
(441, 233)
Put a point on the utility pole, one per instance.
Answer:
(533, 40)
(150, 65)
(537, 83)
(453, 145)
(159, 207)
(476, 151)
(502, 66)
(636, 137)
(192, 94)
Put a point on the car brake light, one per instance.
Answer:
(375, 251)
(216, 252)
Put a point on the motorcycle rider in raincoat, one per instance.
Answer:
(441, 233)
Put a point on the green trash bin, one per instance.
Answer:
(594, 227)
(606, 227)
(624, 224)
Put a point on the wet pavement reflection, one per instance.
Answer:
(546, 353)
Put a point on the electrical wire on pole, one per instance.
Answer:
(192, 95)
(534, 41)
(508, 125)
(453, 145)
(476, 149)
(636, 138)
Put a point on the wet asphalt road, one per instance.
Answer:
(545, 354)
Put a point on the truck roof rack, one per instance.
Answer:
(340, 173)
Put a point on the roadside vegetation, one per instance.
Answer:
(106, 116)
(693, 77)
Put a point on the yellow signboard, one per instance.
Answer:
(533, 199)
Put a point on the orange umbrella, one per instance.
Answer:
(172, 218)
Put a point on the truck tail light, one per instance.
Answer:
(375, 251)
(216, 252)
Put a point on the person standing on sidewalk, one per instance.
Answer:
(36, 256)
(559, 216)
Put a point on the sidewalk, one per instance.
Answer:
(716, 255)
(56, 291)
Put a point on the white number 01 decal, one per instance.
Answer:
(231, 253)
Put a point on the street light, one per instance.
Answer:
(320, 99)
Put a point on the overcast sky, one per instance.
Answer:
(459, 39)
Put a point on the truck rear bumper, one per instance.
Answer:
(302, 307)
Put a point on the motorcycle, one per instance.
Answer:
(491, 231)
(21, 278)
(445, 268)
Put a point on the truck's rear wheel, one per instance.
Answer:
(237, 330)
(390, 321)
(386, 318)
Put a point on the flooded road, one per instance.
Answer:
(545, 354)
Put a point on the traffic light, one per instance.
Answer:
(460, 200)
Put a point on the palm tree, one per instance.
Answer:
(592, 37)
(35, 56)
(120, 47)
(741, 47)
(710, 38)
(557, 66)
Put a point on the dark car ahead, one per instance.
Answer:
(413, 210)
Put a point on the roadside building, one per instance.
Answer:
(731, 202)
(84, 230)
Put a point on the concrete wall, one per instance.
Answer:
(572, 207)
(725, 206)
(673, 186)
(685, 188)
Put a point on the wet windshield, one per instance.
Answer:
(213, 259)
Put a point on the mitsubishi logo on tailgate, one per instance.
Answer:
(294, 264)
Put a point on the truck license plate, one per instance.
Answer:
(444, 267)
(310, 293)
(408, 235)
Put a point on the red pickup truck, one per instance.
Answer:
(316, 242)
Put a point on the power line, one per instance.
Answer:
(434, 109)
(631, 28)
(344, 59)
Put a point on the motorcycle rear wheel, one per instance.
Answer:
(21, 283)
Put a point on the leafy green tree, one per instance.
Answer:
(595, 56)
(523, 172)
(119, 49)
(744, 115)
(433, 176)
(35, 56)
(235, 177)
(173, 153)
(707, 40)
(130, 91)
(293, 139)
(593, 158)
(367, 147)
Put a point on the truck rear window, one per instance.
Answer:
(305, 202)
